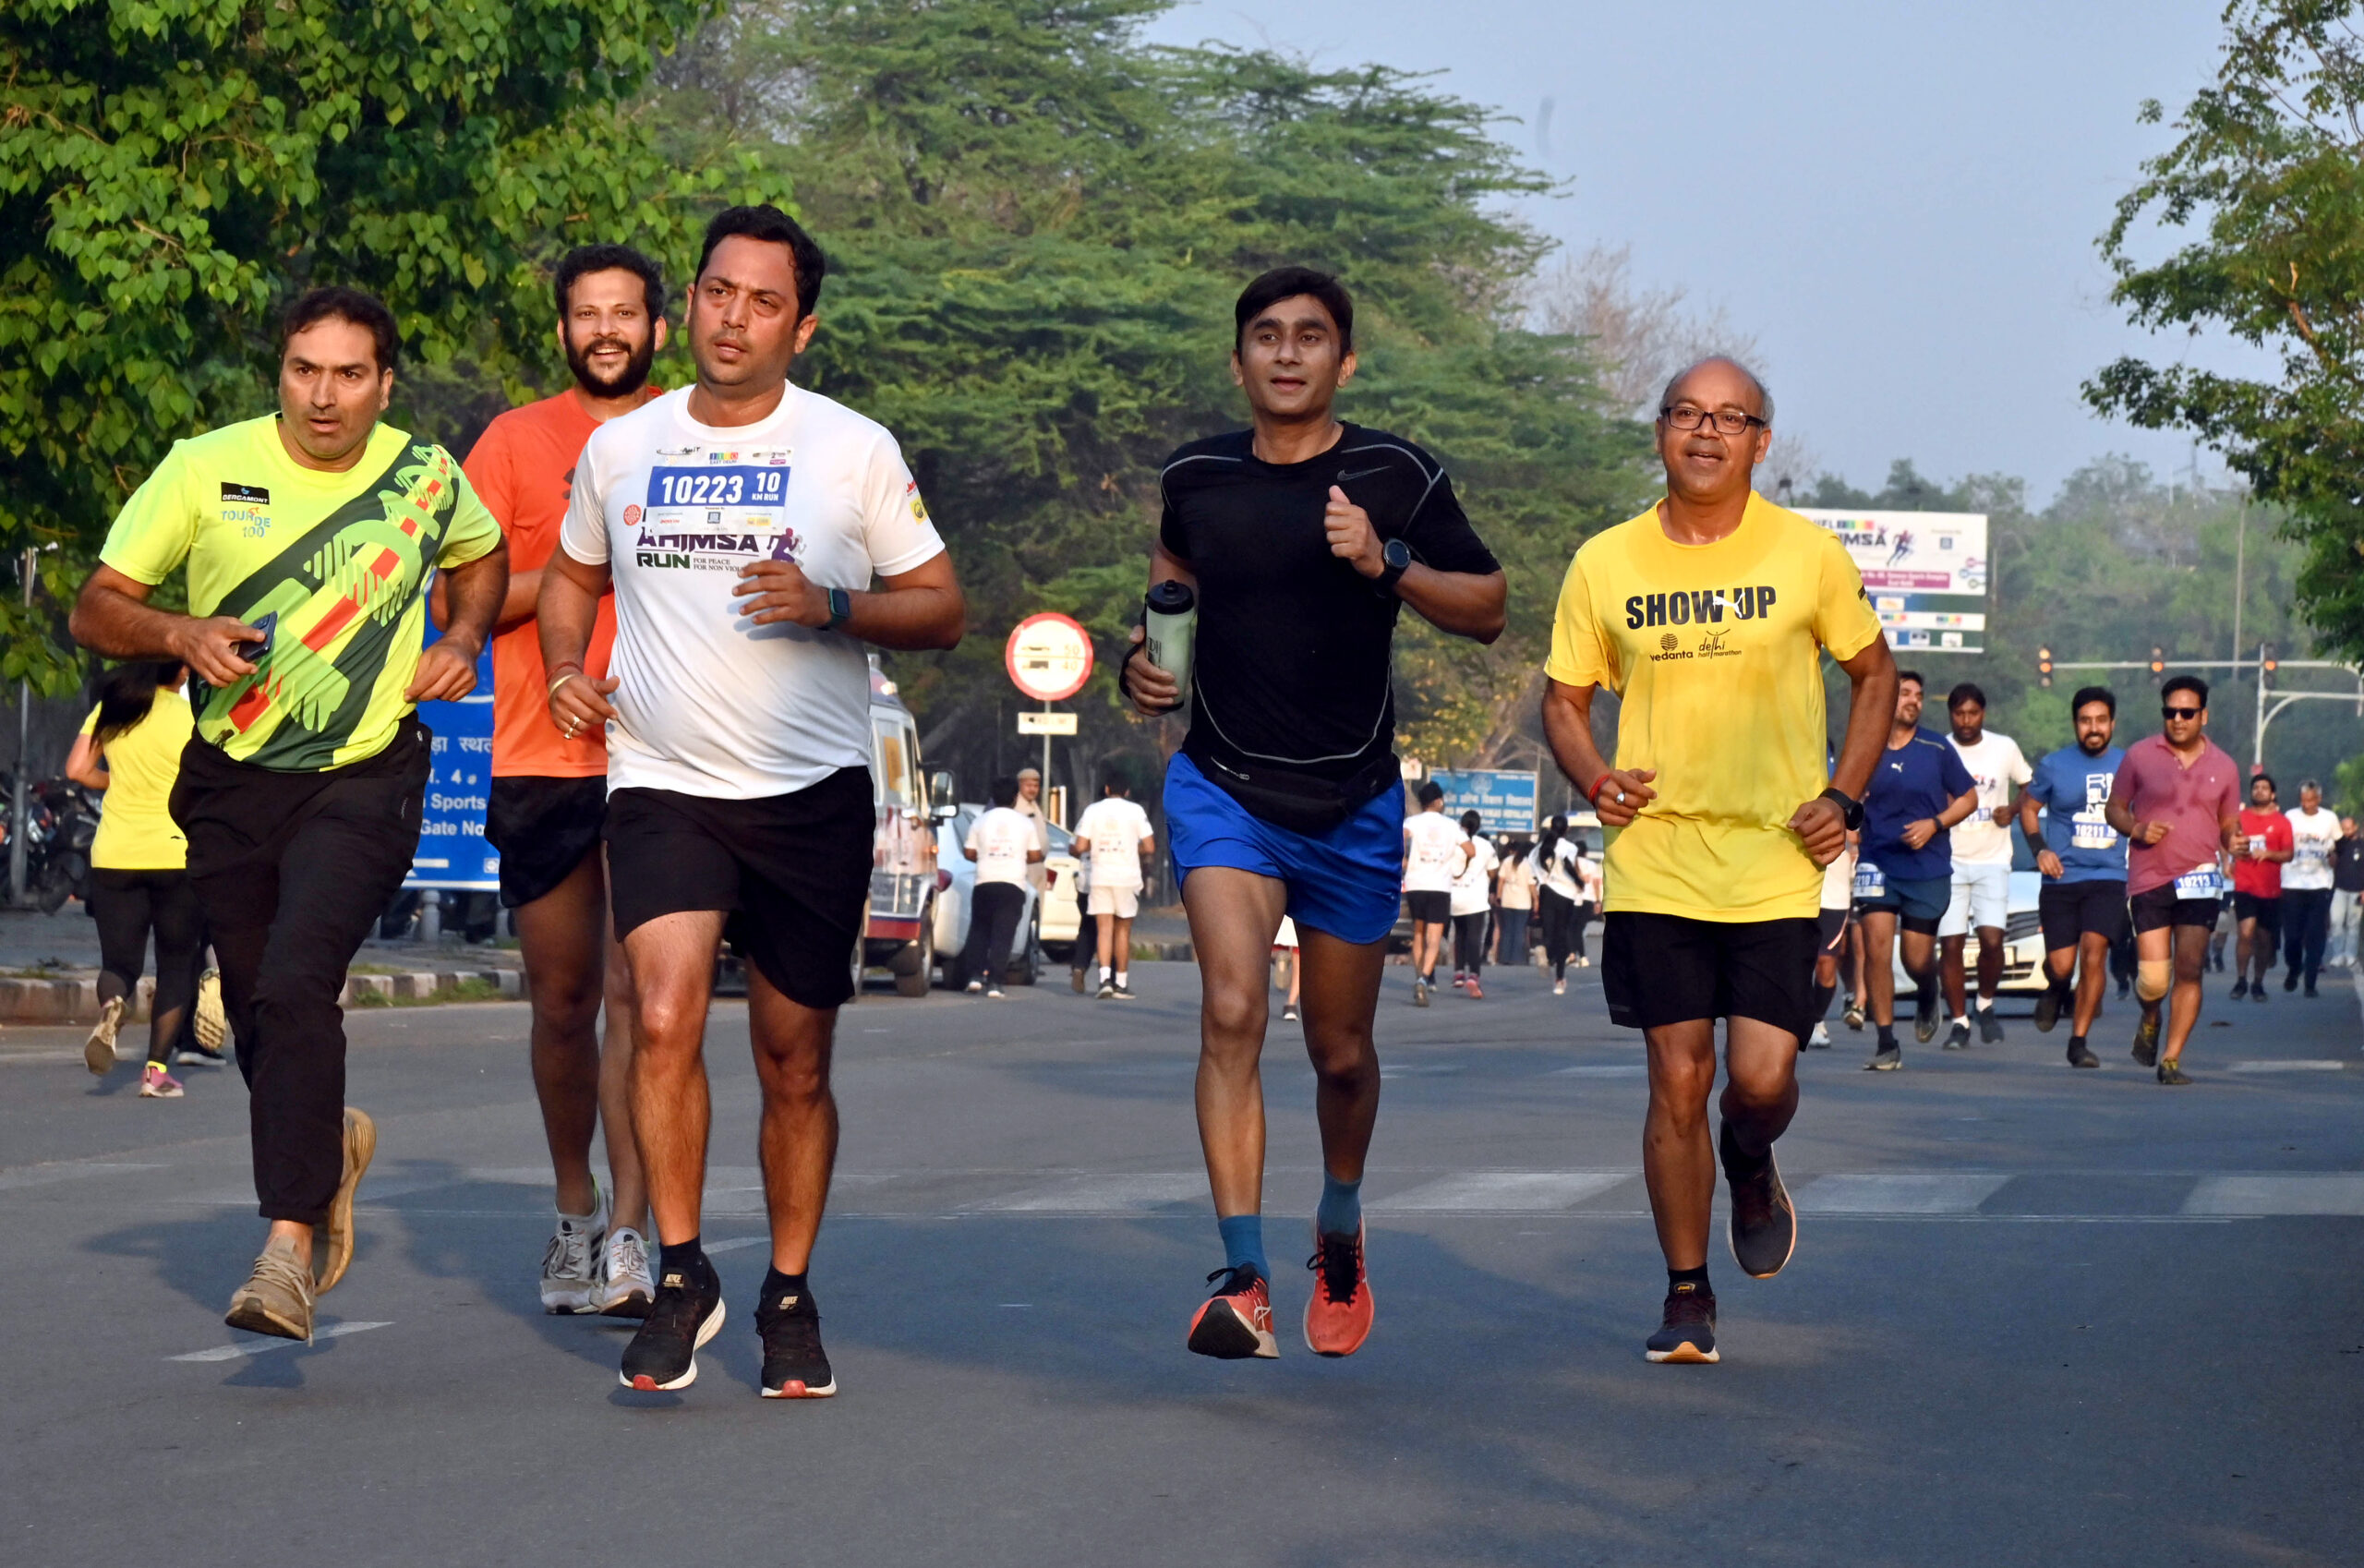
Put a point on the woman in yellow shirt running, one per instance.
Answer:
(130, 747)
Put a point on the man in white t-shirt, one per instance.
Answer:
(1115, 834)
(2307, 887)
(1004, 844)
(1982, 847)
(1472, 905)
(1435, 849)
(741, 521)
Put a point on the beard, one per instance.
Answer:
(626, 382)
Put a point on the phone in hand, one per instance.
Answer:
(253, 652)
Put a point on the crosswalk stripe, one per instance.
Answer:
(74, 1170)
(1503, 1192)
(1101, 1194)
(2322, 1193)
(259, 1345)
(1951, 1193)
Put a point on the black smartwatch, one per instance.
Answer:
(841, 608)
(1850, 810)
(1396, 557)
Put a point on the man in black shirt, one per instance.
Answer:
(1301, 538)
(2348, 892)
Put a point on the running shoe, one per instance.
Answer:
(2241, 989)
(1338, 1314)
(98, 1051)
(1888, 1059)
(1107, 992)
(1476, 992)
(570, 1263)
(156, 1083)
(1820, 1039)
(1460, 978)
(1122, 993)
(1236, 1321)
(1559, 988)
(1075, 980)
(994, 994)
(197, 1055)
(2146, 1040)
(2171, 1072)
(2310, 992)
(2047, 1010)
(2080, 1055)
(209, 1022)
(626, 1288)
(1581, 962)
(664, 1354)
(974, 987)
(332, 1243)
(1925, 1015)
(2257, 992)
(1854, 1016)
(277, 1298)
(1688, 1331)
(1420, 993)
(1990, 1028)
(795, 1366)
(2290, 981)
(1288, 1014)
(1957, 1036)
(1764, 1228)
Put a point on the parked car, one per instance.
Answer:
(1052, 930)
(2022, 936)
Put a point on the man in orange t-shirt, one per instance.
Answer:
(550, 790)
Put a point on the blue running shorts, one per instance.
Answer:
(1349, 882)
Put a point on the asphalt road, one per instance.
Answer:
(2036, 1316)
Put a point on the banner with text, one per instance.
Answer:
(1505, 800)
(452, 852)
(1926, 573)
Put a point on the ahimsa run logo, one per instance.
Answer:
(708, 551)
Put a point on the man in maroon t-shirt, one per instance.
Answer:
(2177, 800)
(2257, 888)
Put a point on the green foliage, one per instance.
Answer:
(2269, 167)
(171, 170)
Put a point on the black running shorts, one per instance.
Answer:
(1430, 907)
(1658, 969)
(2266, 911)
(543, 828)
(791, 871)
(2071, 909)
(1830, 929)
(2156, 907)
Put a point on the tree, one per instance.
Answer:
(2270, 167)
(171, 172)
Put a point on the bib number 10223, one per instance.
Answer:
(716, 486)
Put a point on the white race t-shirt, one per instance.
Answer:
(1839, 882)
(1434, 857)
(1003, 840)
(1558, 873)
(2312, 834)
(1111, 831)
(1589, 879)
(1470, 894)
(1998, 768)
(711, 704)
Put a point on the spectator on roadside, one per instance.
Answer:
(2348, 894)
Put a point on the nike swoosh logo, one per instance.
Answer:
(1361, 474)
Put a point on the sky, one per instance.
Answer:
(1899, 202)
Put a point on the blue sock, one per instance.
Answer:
(1340, 1212)
(1243, 1242)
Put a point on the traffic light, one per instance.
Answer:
(2043, 667)
(2158, 665)
(2267, 661)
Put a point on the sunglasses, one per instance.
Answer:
(2179, 713)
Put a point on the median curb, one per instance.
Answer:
(75, 998)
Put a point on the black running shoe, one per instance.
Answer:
(2146, 1040)
(2290, 981)
(2311, 991)
(795, 1366)
(1957, 1036)
(1990, 1028)
(2241, 989)
(1925, 1015)
(1888, 1059)
(2171, 1073)
(2079, 1057)
(1764, 1229)
(2047, 1011)
(2257, 992)
(1688, 1331)
(664, 1353)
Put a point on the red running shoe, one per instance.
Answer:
(1338, 1315)
(1476, 992)
(1236, 1321)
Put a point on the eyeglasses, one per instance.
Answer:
(2179, 713)
(1683, 416)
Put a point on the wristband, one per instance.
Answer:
(563, 676)
(1593, 794)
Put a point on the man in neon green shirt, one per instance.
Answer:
(309, 538)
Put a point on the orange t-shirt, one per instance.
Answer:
(523, 467)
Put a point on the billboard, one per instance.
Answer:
(1505, 800)
(1926, 574)
(452, 850)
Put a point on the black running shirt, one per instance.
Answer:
(1292, 649)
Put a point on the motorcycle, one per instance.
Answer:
(61, 821)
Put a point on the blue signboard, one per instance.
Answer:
(452, 850)
(1505, 800)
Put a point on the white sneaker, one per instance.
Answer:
(98, 1051)
(572, 1262)
(1821, 1038)
(1559, 988)
(975, 987)
(627, 1288)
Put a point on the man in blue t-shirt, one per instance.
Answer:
(1906, 876)
(2082, 907)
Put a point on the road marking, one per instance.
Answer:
(43, 1175)
(735, 1244)
(1101, 1194)
(2315, 1066)
(2322, 1193)
(263, 1346)
(1618, 1069)
(1504, 1192)
(1955, 1193)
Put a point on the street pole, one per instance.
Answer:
(2240, 571)
(1046, 766)
(2257, 745)
(24, 740)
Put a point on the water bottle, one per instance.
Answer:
(1171, 618)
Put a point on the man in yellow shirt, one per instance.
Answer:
(1708, 615)
(307, 537)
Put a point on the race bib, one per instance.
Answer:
(1871, 882)
(2090, 830)
(2257, 845)
(2205, 883)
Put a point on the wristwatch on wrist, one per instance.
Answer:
(841, 608)
(1396, 559)
(1850, 809)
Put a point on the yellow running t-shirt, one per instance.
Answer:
(1714, 649)
(135, 827)
(331, 566)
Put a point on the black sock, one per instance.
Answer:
(1737, 1166)
(1887, 1036)
(1676, 1278)
(782, 1291)
(2076, 1044)
(1822, 995)
(686, 1259)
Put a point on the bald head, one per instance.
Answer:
(1718, 370)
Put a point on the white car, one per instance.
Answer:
(2022, 933)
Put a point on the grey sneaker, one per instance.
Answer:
(627, 1288)
(574, 1260)
(277, 1298)
(98, 1051)
(1990, 1028)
